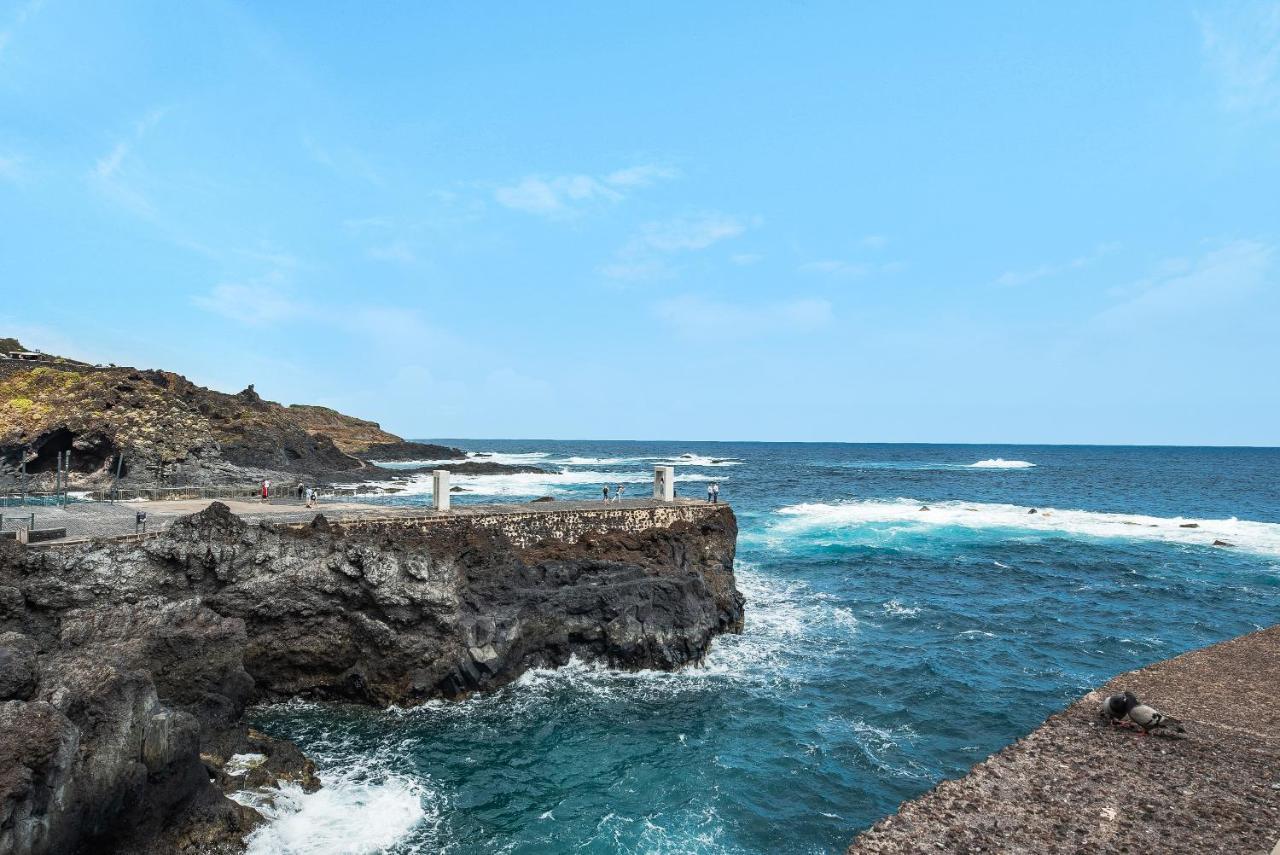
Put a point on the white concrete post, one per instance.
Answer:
(440, 489)
(664, 483)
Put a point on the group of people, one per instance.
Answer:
(304, 492)
(713, 492)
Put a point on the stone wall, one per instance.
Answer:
(527, 528)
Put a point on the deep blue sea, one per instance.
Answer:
(886, 647)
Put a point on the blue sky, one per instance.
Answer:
(796, 221)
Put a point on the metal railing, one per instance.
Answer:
(224, 491)
(38, 498)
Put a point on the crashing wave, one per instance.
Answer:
(1001, 463)
(346, 816)
(883, 519)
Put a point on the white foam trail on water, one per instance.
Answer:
(344, 817)
(1001, 463)
(512, 458)
(881, 517)
(688, 459)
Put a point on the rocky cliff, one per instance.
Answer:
(171, 430)
(125, 668)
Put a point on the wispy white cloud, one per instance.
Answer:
(644, 256)
(109, 171)
(343, 160)
(1014, 278)
(641, 176)
(256, 303)
(1217, 287)
(746, 259)
(24, 13)
(398, 251)
(565, 195)
(11, 167)
(698, 231)
(698, 317)
(874, 241)
(1241, 45)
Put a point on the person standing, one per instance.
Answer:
(266, 488)
(311, 496)
(711, 495)
(715, 492)
(606, 492)
(617, 492)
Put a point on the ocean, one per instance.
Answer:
(886, 647)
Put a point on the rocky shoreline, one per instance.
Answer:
(1077, 784)
(126, 668)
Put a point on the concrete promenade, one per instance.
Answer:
(90, 520)
(1076, 784)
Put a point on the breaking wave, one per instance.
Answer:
(881, 520)
(347, 816)
(1001, 463)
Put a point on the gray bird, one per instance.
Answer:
(1115, 707)
(1150, 718)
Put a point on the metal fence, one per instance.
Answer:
(155, 494)
(38, 498)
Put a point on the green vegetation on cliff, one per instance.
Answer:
(165, 426)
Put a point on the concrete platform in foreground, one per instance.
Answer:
(90, 520)
(1077, 785)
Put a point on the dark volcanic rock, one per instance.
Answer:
(406, 452)
(127, 667)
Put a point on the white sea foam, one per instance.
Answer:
(883, 519)
(1001, 463)
(240, 764)
(897, 609)
(345, 817)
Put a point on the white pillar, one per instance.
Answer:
(440, 489)
(664, 483)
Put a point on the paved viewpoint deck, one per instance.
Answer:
(1077, 785)
(88, 520)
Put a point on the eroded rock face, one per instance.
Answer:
(125, 668)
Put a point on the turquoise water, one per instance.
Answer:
(886, 647)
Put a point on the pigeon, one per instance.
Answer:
(1150, 718)
(1116, 707)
